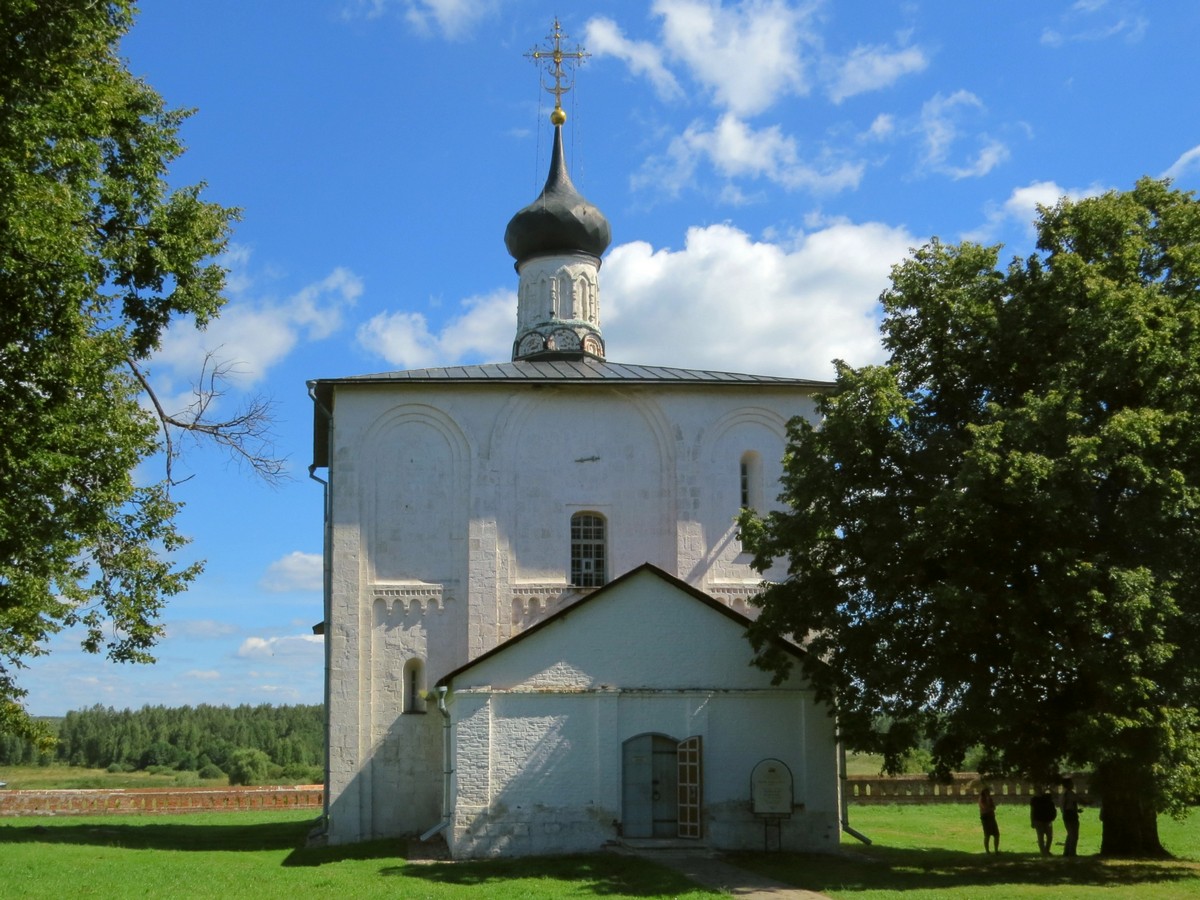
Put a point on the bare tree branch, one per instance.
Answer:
(246, 436)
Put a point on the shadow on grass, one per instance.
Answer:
(906, 869)
(598, 874)
(231, 836)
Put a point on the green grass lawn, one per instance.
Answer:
(919, 853)
(251, 854)
(936, 851)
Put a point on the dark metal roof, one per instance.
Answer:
(584, 369)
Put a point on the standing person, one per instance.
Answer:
(1042, 813)
(987, 818)
(1070, 813)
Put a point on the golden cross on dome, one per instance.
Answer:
(553, 58)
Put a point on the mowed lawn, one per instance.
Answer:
(936, 851)
(918, 852)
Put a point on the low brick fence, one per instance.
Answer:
(159, 800)
(964, 788)
(862, 789)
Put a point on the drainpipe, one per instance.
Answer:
(844, 800)
(447, 768)
(326, 599)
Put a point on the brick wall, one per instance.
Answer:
(159, 800)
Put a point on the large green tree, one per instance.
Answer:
(98, 255)
(994, 537)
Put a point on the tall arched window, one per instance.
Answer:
(588, 553)
(751, 481)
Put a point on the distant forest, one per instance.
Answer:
(210, 740)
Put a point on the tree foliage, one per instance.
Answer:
(292, 738)
(98, 256)
(993, 538)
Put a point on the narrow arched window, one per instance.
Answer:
(414, 686)
(751, 481)
(588, 553)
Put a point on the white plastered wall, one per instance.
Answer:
(540, 726)
(450, 510)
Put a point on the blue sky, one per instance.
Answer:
(762, 163)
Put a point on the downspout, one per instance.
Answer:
(327, 598)
(843, 799)
(447, 767)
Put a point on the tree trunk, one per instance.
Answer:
(1130, 821)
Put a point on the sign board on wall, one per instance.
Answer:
(771, 788)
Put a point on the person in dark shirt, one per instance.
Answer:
(987, 818)
(1070, 816)
(1042, 813)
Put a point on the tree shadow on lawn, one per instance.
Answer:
(230, 837)
(598, 874)
(886, 868)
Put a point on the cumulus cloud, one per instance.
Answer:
(1186, 164)
(725, 301)
(747, 56)
(291, 645)
(942, 123)
(736, 150)
(295, 572)
(871, 68)
(251, 336)
(1021, 208)
(603, 37)
(728, 302)
(483, 332)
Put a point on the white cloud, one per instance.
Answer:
(251, 336)
(730, 303)
(872, 68)
(295, 572)
(747, 55)
(603, 37)
(736, 150)
(291, 645)
(990, 155)
(482, 333)
(1187, 163)
(725, 302)
(1021, 208)
(1097, 20)
(203, 674)
(941, 126)
(450, 18)
(200, 629)
(882, 127)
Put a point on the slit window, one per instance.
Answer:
(414, 686)
(751, 481)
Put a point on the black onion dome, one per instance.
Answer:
(560, 220)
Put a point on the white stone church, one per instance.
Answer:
(535, 597)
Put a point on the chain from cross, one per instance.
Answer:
(554, 57)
